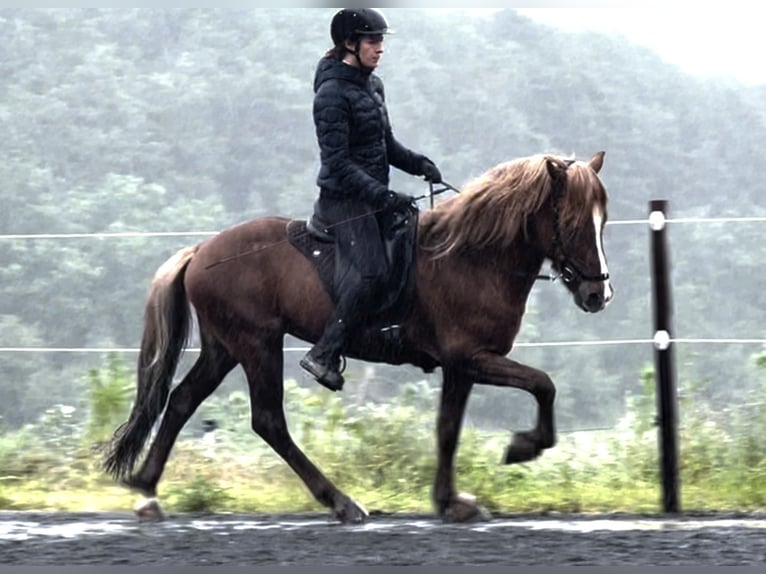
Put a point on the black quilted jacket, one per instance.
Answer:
(356, 143)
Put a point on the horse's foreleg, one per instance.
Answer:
(450, 505)
(492, 369)
(213, 364)
(264, 374)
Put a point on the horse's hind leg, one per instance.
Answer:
(264, 369)
(207, 373)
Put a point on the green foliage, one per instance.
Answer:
(24, 382)
(384, 455)
(109, 392)
(385, 442)
(20, 454)
(200, 494)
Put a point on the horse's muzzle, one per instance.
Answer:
(593, 297)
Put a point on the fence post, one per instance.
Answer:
(663, 355)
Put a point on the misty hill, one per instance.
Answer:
(193, 120)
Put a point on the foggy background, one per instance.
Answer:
(192, 120)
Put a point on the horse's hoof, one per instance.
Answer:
(521, 449)
(351, 513)
(149, 510)
(464, 508)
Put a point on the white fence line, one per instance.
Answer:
(304, 349)
(120, 235)
(129, 234)
(691, 220)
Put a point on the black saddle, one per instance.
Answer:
(313, 237)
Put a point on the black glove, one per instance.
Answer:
(430, 171)
(393, 201)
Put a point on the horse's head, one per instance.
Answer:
(578, 207)
(545, 206)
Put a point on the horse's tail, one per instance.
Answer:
(167, 323)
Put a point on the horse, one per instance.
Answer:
(479, 253)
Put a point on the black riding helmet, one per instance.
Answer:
(350, 23)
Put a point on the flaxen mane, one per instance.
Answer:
(492, 209)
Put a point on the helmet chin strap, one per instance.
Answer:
(358, 59)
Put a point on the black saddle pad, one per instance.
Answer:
(400, 238)
(321, 253)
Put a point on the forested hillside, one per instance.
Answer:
(192, 120)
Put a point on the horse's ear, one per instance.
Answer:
(597, 161)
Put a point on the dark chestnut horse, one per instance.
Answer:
(479, 254)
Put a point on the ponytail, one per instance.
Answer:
(336, 52)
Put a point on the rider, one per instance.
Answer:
(357, 146)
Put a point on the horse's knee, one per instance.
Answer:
(545, 391)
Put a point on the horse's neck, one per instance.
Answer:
(512, 270)
(517, 267)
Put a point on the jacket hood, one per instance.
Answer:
(332, 69)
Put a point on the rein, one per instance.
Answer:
(569, 271)
(431, 193)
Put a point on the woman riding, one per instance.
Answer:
(357, 147)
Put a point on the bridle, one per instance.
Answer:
(570, 273)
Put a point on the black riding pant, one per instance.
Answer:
(362, 270)
(357, 235)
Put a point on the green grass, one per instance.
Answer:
(384, 457)
(588, 472)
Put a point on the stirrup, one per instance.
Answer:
(322, 374)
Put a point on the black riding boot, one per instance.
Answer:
(323, 360)
(358, 295)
